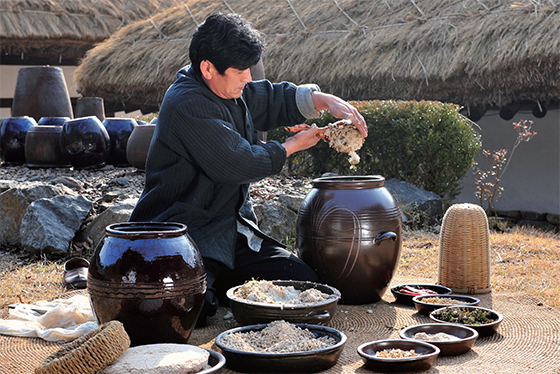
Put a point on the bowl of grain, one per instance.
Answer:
(451, 339)
(398, 356)
(281, 347)
(484, 321)
(425, 304)
(258, 302)
(405, 292)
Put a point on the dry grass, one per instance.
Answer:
(524, 260)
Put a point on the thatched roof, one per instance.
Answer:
(472, 52)
(67, 28)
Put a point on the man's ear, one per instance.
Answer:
(207, 69)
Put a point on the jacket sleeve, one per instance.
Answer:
(203, 131)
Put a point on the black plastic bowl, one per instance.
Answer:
(466, 335)
(253, 313)
(406, 299)
(216, 361)
(428, 354)
(425, 308)
(297, 362)
(484, 329)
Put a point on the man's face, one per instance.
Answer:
(230, 85)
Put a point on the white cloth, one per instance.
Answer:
(65, 319)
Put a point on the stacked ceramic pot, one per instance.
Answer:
(42, 144)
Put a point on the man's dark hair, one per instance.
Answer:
(226, 40)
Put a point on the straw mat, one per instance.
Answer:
(528, 340)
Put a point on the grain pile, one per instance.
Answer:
(160, 359)
(345, 138)
(277, 337)
(269, 293)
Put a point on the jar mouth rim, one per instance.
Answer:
(347, 179)
(138, 230)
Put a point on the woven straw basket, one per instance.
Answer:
(464, 250)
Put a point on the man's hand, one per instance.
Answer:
(340, 109)
(302, 140)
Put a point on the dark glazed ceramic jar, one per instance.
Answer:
(52, 121)
(119, 130)
(150, 277)
(85, 142)
(13, 132)
(139, 144)
(349, 231)
(42, 147)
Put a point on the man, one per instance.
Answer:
(205, 152)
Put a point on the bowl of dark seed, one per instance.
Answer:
(484, 321)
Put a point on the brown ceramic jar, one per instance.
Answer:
(349, 231)
(150, 277)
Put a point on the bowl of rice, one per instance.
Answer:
(281, 347)
(451, 339)
(425, 304)
(398, 355)
(259, 301)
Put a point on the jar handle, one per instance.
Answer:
(319, 315)
(381, 237)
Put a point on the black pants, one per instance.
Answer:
(272, 262)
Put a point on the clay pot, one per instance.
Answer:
(52, 121)
(85, 143)
(349, 231)
(12, 139)
(150, 277)
(42, 147)
(139, 144)
(90, 106)
(41, 91)
(119, 130)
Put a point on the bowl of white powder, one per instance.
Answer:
(260, 301)
(451, 339)
(281, 347)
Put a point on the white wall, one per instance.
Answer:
(532, 179)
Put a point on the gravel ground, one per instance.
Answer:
(111, 184)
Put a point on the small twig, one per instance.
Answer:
(192, 16)
(297, 15)
(157, 29)
(416, 6)
(346, 14)
(230, 9)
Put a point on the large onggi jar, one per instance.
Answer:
(149, 276)
(349, 231)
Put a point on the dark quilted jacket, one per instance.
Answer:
(204, 154)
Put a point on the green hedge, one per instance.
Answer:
(426, 143)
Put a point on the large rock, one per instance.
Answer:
(14, 203)
(114, 213)
(278, 221)
(49, 225)
(412, 199)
